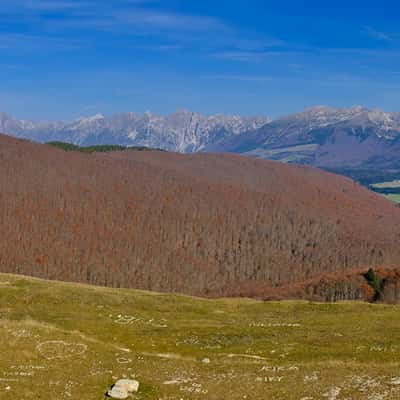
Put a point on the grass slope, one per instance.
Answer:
(65, 341)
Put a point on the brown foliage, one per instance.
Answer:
(368, 292)
(204, 224)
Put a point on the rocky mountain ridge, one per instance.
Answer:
(358, 142)
(349, 141)
(182, 131)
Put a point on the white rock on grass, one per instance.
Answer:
(333, 393)
(131, 385)
(118, 393)
(123, 388)
(395, 381)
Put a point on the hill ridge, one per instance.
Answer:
(202, 224)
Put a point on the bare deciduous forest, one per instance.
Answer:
(204, 224)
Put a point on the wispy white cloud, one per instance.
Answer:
(9, 41)
(40, 5)
(138, 24)
(375, 34)
(296, 52)
(168, 21)
(120, 14)
(331, 80)
(363, 52)
(49, 5)
(256, 55)
(240, 78)
(158, 47)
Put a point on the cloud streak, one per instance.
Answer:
(139, 24)
(23, 6)
(322, 80)
(168, 21)
(375, 34)
(122, 14)
(29, 43)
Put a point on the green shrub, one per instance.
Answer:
(375, 282)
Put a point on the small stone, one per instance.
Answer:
(130, 385)
(118, 392)
(205, 361)
(122, 388)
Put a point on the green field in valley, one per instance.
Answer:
(386, 185)
(67, 341)
(390, 189)
(393, 197)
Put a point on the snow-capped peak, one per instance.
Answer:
(90, 119)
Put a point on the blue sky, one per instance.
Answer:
(62, 59)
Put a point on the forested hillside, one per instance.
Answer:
(94, 149)
(204, 224)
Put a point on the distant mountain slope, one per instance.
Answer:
(354, 141)
(204, 224)
(357, 142)
(183, 131)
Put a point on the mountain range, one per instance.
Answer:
(182, 131)
(358, 142)
(361, 143)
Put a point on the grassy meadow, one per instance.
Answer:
(393, 197)
(67, 341)
(391, 189)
